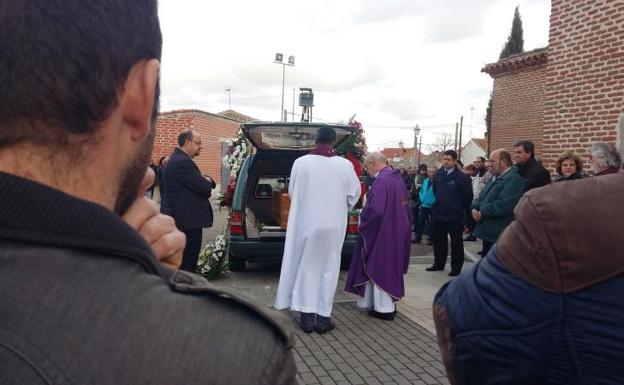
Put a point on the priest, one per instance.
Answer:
(381, 255)
(323, 188)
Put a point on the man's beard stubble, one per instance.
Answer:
(133, 174)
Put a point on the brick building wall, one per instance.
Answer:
(213, 128)
(571, 94)
(518, 105)
(585, 80)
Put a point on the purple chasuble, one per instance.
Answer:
(323, 150)
(382, 251)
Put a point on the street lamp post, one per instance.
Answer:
(279, 59)
(416, 133)
(401, 146)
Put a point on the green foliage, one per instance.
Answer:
(515, 41)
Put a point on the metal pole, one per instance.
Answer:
(415, 145)
(419, 147)
(461, 127)
(456, 130)
(283, 82)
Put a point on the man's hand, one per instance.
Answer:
(476, 215)
(157, 229)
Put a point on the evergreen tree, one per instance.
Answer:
(514, 45)
(515, 41)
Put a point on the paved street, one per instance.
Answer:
(362, 349)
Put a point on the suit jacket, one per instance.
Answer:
(453, 196)
(187, 193)
(496, 204)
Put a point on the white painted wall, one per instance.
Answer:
(470, 151)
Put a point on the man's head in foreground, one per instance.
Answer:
(80, 95)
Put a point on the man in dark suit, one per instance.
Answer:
(186, 197)
(453, 192)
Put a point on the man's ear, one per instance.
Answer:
(137, 101)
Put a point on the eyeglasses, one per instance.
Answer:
(198, 142)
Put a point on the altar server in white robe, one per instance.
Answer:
(323, 188)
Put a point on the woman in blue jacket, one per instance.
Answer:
(427, 199)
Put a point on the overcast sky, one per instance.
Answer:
(394, 63)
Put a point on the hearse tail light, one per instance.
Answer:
(352, 226)
(236, 223)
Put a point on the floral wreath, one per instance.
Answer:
(238, 150)
(211, 263)
(354, 144)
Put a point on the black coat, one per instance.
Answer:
(534, 174)
(187, 193)
(453, 196)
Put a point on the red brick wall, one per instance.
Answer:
(214, 129)
(517, 107)
(585, 80)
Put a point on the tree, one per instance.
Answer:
(442, 143)
(515, 41)
(514, 45)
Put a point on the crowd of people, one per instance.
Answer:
(92, 293)
(497, 185)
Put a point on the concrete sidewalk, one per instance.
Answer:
(362, 349)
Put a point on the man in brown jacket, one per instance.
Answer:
(84, 299)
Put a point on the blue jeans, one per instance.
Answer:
(424, 222)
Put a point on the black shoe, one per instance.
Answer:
(383, 316)
(434, 268)
(307, 321)
(454, 273)
(470, 238)
(324, 329)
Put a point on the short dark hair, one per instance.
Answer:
(64, 61)
(506, 156)
(325, 135)
(186, 134)
(451, 153)
(527, 146)
(422, 166)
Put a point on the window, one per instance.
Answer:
(267, 184)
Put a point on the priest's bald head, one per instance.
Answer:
(375, 162)
(325, 135)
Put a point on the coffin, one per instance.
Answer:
(280, 206)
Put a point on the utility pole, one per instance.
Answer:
(461, 127)
(456, 131)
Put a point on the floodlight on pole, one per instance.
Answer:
(279, 59)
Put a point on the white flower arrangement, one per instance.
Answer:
(238, 150)
(211, 263)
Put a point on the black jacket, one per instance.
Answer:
(534, 174)
(85, 302)
(453, 196)
(187, 193)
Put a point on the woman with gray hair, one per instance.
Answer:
(605, 159)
